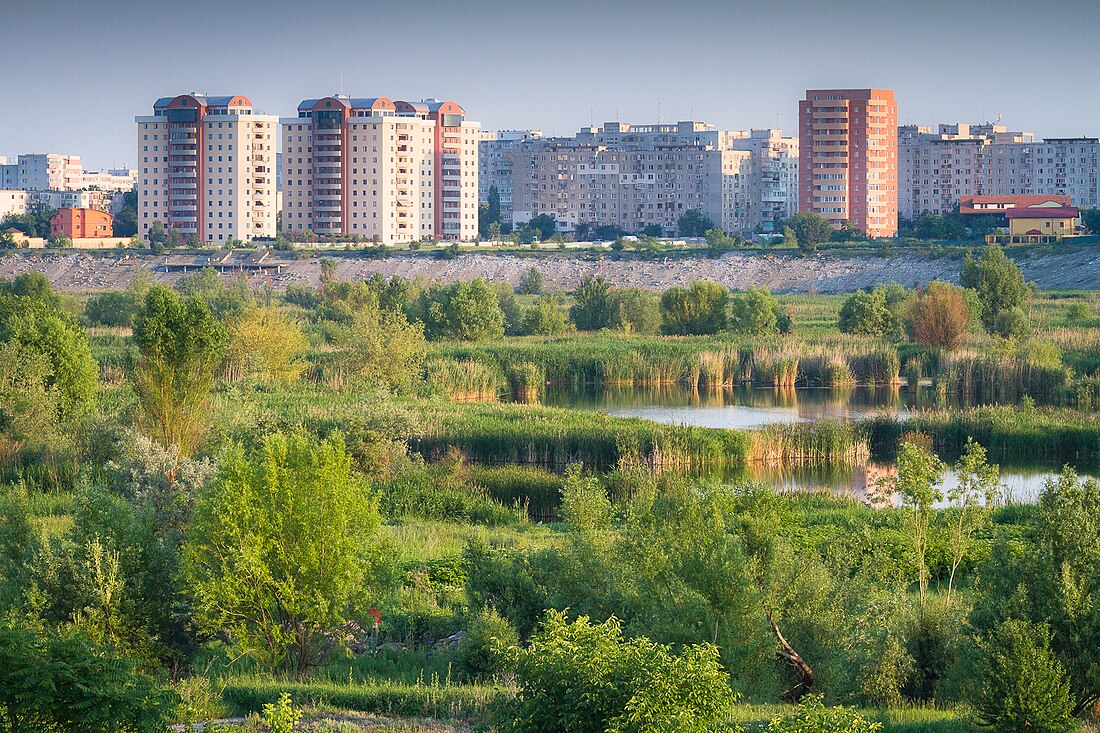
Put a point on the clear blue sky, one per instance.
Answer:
(76, 73)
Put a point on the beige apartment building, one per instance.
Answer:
(773, 194)
(387, 171)
(937, 169)
(495, 165)
(206, 168)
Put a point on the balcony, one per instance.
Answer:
(184, 218)
(192, 173)
(184, 195)
(327, 216)
(182, 207)
(326, 170)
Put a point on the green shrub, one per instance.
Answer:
(488, 635)
(587, 678)
(814, 717)
(1024, 688)
(281, 716)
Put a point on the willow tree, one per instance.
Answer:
(181, 346)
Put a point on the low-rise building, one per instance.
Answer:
(81, 224)
(1041, 222)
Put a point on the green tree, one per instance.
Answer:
(380, 345)
(634, 310)
(158, 235)
(997, 280)
(1024, 689)
(813, 717)
(490, 215)
(591, 309)
(810, 229)
(181, 346)
(878, 312)
(544, 225)
(281, 549)
(586, 678)
(33, 324)
(699, 310)
(917, 484)
(1090, 217)
(467, 311)
(694, 223)
(531, 282)
(652, 230)
(328, 270)
(125, 223)
(545, 318)
(971, 500)
(756, 312)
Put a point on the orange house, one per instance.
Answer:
(81, 224)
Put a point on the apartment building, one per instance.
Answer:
(773, 194)
(388, 171)
(13, 201)
(634, 176)
(848, 157)
(207, 168)
(42, 172)
(495, 165)
(959, 160)
(580, 183)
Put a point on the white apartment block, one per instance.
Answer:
(42, 172)
(387, 171)
(13, 201)
(937, 169)
(774, 185)
(114, 179)
(495, 165)
(631, 189)
(207, 168)
(633, 176)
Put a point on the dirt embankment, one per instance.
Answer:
(1076, 267)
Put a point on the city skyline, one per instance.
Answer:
(556, 68)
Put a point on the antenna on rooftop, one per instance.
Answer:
(660, 119)
(341, 85)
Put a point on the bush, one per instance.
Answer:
(876, 312)
(814, 717)
(531, 282)
(998, 282)
(481, 652)
(757, 313)
(587, 678)
(1011, 324)
(697, 311)
(545, 318)
(1024, 689)
(939, 317)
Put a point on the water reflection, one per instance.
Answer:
(740, 408)
(1023, 484)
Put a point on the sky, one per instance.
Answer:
(76, 73)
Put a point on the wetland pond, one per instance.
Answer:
(746, 408)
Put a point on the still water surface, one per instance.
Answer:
(745, 408)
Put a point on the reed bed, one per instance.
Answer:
(526, 380)
(983, 379)
(1051, 434)
(465, 380)
(705, 363)
(810, 444)
(551, 438)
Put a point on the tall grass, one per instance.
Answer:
(464, 379)
(810, 444)
(978, 378)
(1055, 434)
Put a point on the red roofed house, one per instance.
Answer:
(1042, 221)
(998, 205)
